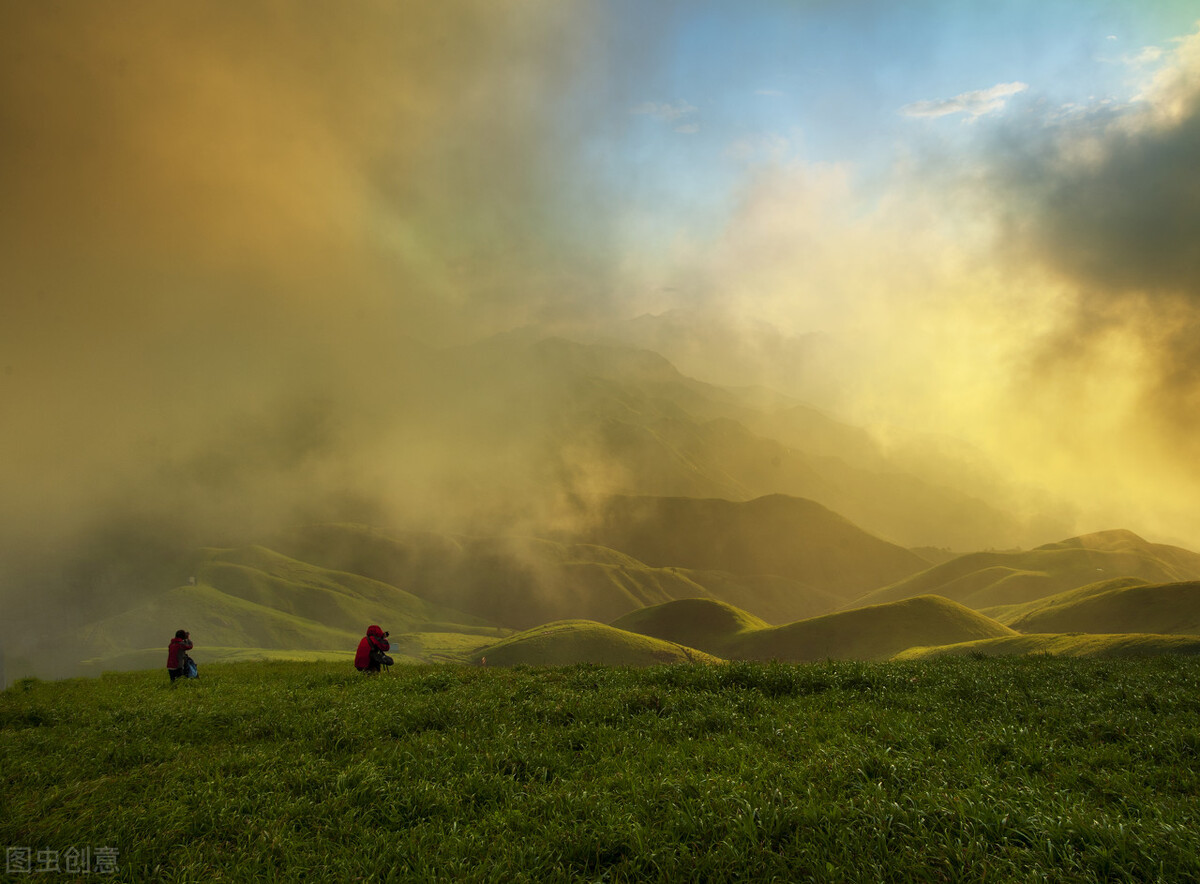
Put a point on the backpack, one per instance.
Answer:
(189, 667)
(378, 656)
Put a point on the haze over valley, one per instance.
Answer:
(580, 332)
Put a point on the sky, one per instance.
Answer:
(219, 211)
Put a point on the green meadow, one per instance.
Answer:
(950, 769)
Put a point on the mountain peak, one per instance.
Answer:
(1114, 538)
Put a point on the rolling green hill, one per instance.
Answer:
(254, 599)
(876, 632)
(568, 642)
(1006, 614)
(212, 617)
(991, 579)
(522, 582)
(155, 658)
(1168, 609)
(1068, 645)
(515, 581)
(872, 633)
(704, 624)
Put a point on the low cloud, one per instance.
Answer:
(680, 115)
(231, 237)
(1036, 293)
(1101, 204)
(972, 104)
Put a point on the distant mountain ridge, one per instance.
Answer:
(567, 408)
(598, 483)
(806, 561)
(790, 537)
(990, 579)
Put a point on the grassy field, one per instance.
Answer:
(1079, 644)
(576, 642)
(959, 769)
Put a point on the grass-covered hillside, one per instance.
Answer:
(309, 593)
(989, 579)
(948, 770)
(1075, 644)
(698, 623)
(1121, 606)
(253, 602)
(568, 642)
(791, 537)
(255, 597)
(519, 582)
(875, 632)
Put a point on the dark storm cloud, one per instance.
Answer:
(1108, 200)
(1117, 209)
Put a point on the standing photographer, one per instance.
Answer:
(372, 650)
(177, 653)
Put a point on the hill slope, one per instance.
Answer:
(872, 633)
(876, 632)
(254, 598)
(1168, 609)
(791, 537)
(1098, 646)
(987, 579)
(569, 642)
(698, 623)
(521, 582)
(747, 441)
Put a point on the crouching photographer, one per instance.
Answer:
(372, 650)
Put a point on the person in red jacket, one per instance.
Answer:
(177, 653)
(372, 650)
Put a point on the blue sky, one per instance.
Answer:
(714, 90)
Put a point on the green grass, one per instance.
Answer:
(1117, 606)
(994, 579)
(1021, 769)
(572, 642)
(1066, 645)
(1008, 614)
(705, 624)
(874, 632)
(252, 597)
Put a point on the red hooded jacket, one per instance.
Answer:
(373, 639)
(175, 651)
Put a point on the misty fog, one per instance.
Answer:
(264, 265)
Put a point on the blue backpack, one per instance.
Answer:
(189, 667)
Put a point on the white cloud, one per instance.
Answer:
(974, 104)
(681, 115)
(768, 147)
